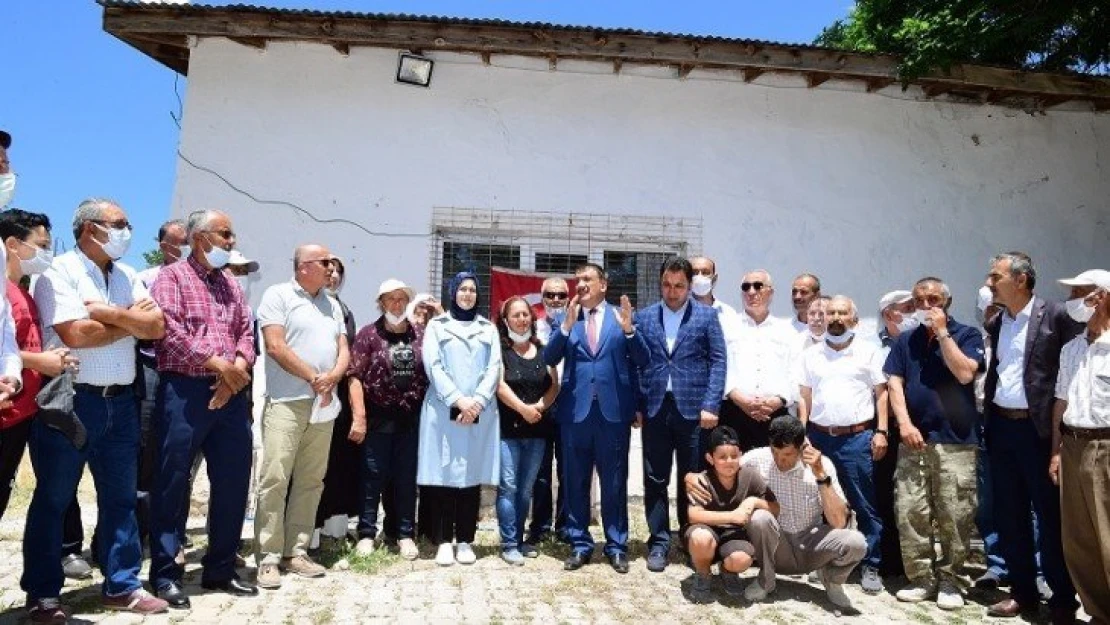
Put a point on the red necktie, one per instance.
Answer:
(591, 331)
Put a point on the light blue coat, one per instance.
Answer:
(462, 360)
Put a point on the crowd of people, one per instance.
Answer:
(803, 448)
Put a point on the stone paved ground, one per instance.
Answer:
(384, 588)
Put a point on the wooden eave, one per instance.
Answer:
(162, 32)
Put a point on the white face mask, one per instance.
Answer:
(520, 338)
(1079, 310)
(183, 252)
(922, 317)
(840, 340)
(38, 263)
(7, 188)
(217, 257)
(394, 320)
(701, 285)
(908, 323)
(119, 240)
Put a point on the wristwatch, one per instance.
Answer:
(883, 432)
(825, 481)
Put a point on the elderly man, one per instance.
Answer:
(204, 369)
(96, 306)
(932, 374)
(704, 282)
(555, 294)
(804, 289)
(811, 533)
(843, 390)
(757, 385)
(173, 245)
(1081, 442)
(681, 387)
(1025, 339)
(306, 349)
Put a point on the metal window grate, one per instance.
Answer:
(631, 247)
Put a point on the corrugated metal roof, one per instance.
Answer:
(441, 19)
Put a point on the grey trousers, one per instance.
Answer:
(836, 551)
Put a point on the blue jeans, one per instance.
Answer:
(668, 436)
(389, 465)
(111, 453)
(520, 462)
(184, 427)
(851, 455)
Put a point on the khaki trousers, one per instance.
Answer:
(837, 551)
(935, 487)
(293, 451)
(1085, 510)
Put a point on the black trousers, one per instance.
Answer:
(753, 434)
(13, 441)
(889, 543)
(452, 513)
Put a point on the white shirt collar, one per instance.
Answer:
(1026, 312)
(680, 312)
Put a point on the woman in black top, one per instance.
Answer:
(527, 390)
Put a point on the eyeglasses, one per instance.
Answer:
(555, 295)
(224, 234)
(324, 262)
(757, 286)
(115, 225)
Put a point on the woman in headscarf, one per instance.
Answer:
(459, 433)
(342, 496)
(387, 385)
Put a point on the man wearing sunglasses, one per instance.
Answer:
(95, 305)
(556, 294)
(757, 385)
(306, 349)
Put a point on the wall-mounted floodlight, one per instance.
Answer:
(413, 69)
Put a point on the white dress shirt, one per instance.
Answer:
(758, 356)
(799, 326)
(1084, 382)
(60, 295)
(586, 321)
(1010, 392)
(672, 320)
(842, 382)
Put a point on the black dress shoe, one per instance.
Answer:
(576, 561)
(1062, 616)
(175, 596)
(619, 562)
(233, 586)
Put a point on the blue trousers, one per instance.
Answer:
(595, 442)
(667, 436)
(1019, 460)
(184, 427)
(520, 462)
(389, 465)
(111, 452)
(851, 455)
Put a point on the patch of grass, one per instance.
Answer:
(370, 564)
(774, 615)
(323, 616)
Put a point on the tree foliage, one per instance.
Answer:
(1051, 35)
(153, 257)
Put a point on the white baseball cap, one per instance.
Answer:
(1091, 277)
(393, 284)
(894, 297)
(237, 258)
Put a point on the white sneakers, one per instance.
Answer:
(949, 596)
(365, 546)
(915, 593)
(464, 554)
(445, 555)
(408, 548)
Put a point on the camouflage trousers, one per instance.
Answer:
(935, 501)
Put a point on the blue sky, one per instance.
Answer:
(90, 116)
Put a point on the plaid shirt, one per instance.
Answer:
(797, 491)
(205, 316)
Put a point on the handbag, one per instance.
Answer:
(55, 400)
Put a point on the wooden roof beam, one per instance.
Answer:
(751, 73)
(814, 79)
(258, 43)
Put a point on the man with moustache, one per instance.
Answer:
(803, 290)
(844, 403)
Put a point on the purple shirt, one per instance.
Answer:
(374, 362)
(205, 316)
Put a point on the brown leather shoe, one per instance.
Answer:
(1009, 608)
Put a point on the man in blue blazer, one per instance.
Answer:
(681, 390)
(1025, 338)
(601, 350)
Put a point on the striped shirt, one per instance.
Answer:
(796, 490)
(1084, 382)
(205, 316)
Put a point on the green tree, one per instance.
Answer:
(1051, 35)
(153, 258)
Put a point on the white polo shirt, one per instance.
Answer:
(1010, 392)
(842, 382)
(312, 326)
(60, 295)
(1084, 382)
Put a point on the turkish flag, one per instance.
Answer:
(505, 283)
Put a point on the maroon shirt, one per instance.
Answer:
(205, 316)
(391, 369)
(28, 335)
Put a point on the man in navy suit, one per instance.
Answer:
(1025, 338)
(600, 350)
(681, 386)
